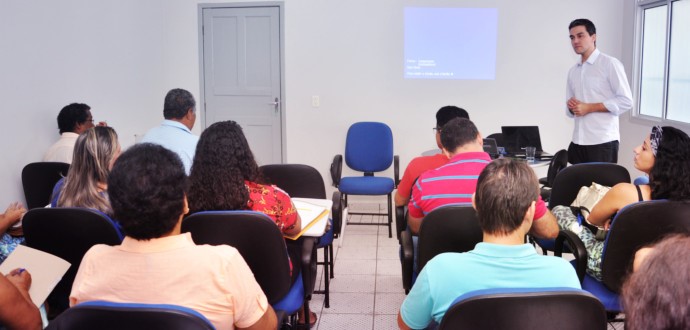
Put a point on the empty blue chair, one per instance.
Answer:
(106, 315)
(368, 149)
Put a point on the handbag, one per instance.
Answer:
(585, 201)
(588, 197)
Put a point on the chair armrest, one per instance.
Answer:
(336, 170)
(396, 170)
(400, 220)
(308, 265)
(337, 213)
(407, 259)
(577, 247)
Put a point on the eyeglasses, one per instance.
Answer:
(437, 129)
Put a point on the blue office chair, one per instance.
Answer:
(368, 149)
(106, 315)
(262, 246)
(569, 181)
(634, 227)
(304, 181)
(68, 232)
(531, 308)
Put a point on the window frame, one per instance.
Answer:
(640, 8)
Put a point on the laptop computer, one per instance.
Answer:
(491, 148)
(516, 138)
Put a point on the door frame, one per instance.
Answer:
(281, 35)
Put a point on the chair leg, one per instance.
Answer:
(390, 216)
(332, 260)
(326, 277)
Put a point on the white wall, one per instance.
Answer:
(122, 56)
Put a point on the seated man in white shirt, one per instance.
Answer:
(72, 121)
(175, 132)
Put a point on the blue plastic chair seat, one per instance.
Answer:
(293, 300)
(326, 239)
(608, 298)
(366, 185)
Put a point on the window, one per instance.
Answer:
(664, 70)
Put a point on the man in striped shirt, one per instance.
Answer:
(455, 182)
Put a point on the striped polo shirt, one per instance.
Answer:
(453, 183)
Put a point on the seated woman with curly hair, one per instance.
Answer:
(225, 176)
(665, 157)
(86, 182)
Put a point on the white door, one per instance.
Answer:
(242, 74)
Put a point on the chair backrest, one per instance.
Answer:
(499, 139)
(298, 180)
(68, 232)
(255, 236)
(537, 308)
(369, 147)
(38, 180)
(450, 228)
(568, 181)
(636, 226)
(304, 181)
(558, 163)
(109, 315)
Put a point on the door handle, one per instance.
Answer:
(275, 104)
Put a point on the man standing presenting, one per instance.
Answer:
(598, 92)
(72, 120)
(174, 133)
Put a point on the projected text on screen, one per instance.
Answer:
(450, 43)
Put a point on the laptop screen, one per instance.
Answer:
(516, 138)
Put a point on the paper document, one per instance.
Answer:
(46, 270)
(314, 214)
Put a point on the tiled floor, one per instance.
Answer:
(366, 292)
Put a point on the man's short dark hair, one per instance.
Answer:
(177, 103)
(589, 26)
(146, 189)
(458, 132)
(71, 115)
(505, 191)
(445, 114)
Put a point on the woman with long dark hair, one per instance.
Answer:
(225, 176)
(665, 157)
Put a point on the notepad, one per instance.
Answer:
(314, 214)
(46, 270)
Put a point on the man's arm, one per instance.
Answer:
(267, 321)
(401, 200)
(414, 223)
(401, 323)
(545, 227)
(17, 311)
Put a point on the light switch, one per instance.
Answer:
(315, 101)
